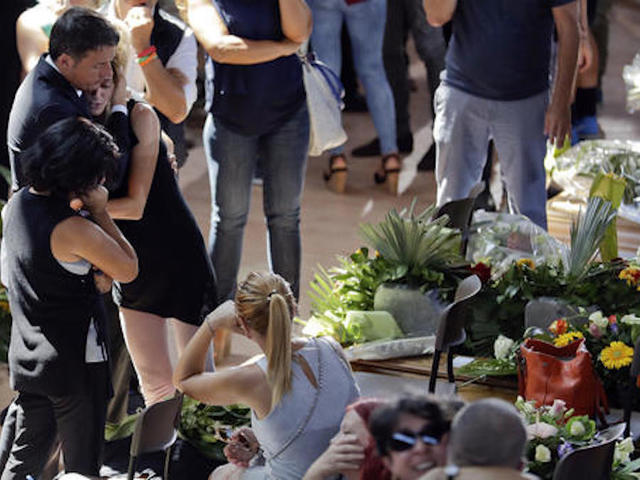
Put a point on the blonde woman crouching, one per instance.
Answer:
(297, 391)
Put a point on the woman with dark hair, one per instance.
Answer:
(411, 436)
(176, 279)
(297, 390)
(352, 453)
(50, 255)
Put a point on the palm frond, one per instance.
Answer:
(586, 234)
(414, 241)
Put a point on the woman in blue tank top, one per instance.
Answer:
(257, 117)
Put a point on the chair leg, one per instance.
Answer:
(167, 461)
(132, 467)
(434, 371)
(450, 375)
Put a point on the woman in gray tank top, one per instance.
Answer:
(297, 391)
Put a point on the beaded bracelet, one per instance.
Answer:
(146, 60)
(147, 51)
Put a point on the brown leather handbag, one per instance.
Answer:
(547, 372)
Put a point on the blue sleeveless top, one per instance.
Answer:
(299, 428)
(254, 99)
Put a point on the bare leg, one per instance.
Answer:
(146, 338)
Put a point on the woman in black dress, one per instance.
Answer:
(176, 280)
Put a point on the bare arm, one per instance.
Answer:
(100, 243)
(144, 157)
(439, 12)
(295, 18)
(212, 33)
(558, 116)
(164, 89)
(30, 40)
(585, 52)
(244, 384)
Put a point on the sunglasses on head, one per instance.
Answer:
(406, 440)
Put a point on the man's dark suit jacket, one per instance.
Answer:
(45, 97)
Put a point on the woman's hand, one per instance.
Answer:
(345, 453)
(225, 316)
(120, 93)
(94, 200)
(102, 280)
(242, 447)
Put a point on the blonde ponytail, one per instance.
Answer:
(278, 348)
(265, 302)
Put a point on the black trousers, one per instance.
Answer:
(76, 420)
(404, 17)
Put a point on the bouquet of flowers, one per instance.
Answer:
(554, 432)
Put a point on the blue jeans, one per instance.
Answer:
(365, 23)
(462, 129)
(232, 159)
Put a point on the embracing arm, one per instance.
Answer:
(100, 243)
(144, 157)
(558, 117)
(223, 47)
(439, 12)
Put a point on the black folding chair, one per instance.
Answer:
(460, 213)
(156, 430)
(592, 462)
(451, 328)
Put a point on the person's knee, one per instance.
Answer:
(284, 220)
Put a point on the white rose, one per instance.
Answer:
(543, 454)
(541, 430)
(630, 319)
(598, 319)
(577, 429)
(502, 347)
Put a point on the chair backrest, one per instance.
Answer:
(592, 462)
(460, 213)
(156, 427)
(451, 327)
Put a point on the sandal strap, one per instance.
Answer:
(386, 158)
(332, 160)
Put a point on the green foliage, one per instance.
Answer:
(414, 244)
(499, 307)
(207, 427)
(352, 286)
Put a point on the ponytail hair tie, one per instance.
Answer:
(271, 294)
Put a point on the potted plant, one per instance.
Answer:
(418, 249)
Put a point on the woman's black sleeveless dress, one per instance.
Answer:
(175, 277)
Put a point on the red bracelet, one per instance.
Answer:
(147, 51)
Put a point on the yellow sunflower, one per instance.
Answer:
(525, 262)
(566, 338)
(616, 355)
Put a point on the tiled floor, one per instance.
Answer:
(330, 221)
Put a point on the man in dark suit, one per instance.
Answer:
(81, 47)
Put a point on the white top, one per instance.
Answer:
(184, 59)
